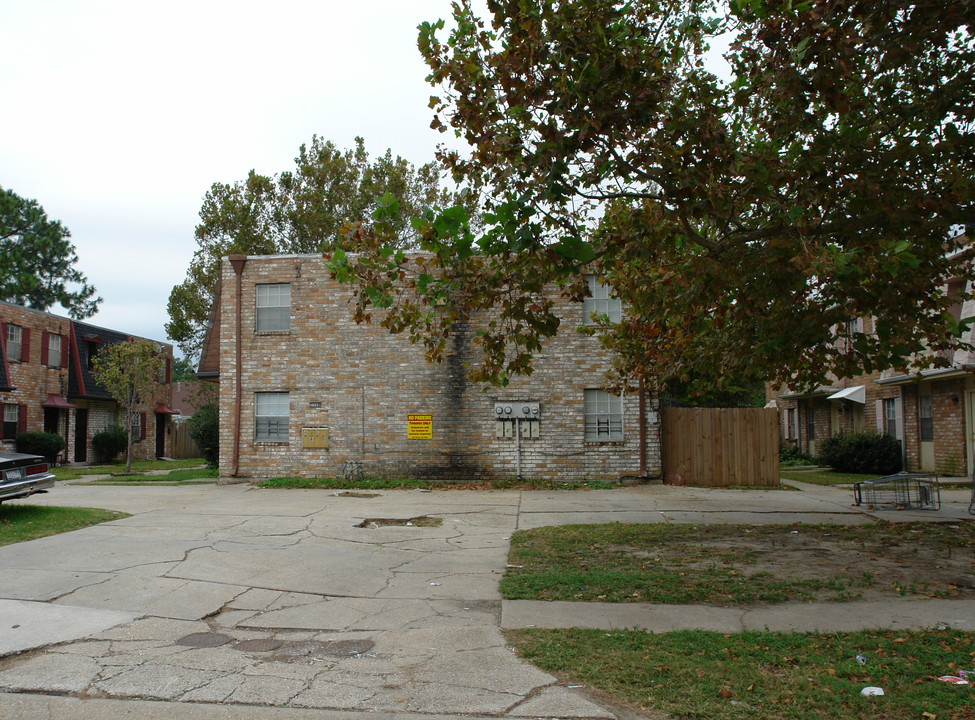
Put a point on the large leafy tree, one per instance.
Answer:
(743, 222)
(37, 261)
(296, 211)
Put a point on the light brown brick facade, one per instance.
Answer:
(50, 390)
(360, 384)
(946, 448)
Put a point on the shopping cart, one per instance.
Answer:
(903, 491)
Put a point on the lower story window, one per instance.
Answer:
(11, 419)
(890, 417)
(603, 416)
(272, 416)
(925, 418)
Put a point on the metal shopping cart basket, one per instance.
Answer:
(903, 491)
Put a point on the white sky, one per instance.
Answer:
(119, 115)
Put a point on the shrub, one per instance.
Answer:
(865, 452)
(40, 443)
(205, 431)
(109, 443)
(792, 455)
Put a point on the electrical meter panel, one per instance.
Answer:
(516, 410)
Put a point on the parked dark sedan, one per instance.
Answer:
(22, 475)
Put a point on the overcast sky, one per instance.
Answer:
(119, 115)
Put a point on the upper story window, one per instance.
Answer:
(53, 350)
(273, 308)
(92, 352)
(600, 302)
(603, 416)
(15, 338)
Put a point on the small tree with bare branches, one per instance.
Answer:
(129, 371)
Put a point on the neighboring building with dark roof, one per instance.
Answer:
(46, 384)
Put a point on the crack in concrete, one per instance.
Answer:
(531, 695)
(108, 578)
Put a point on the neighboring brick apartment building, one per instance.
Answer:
(317, 394)
(46, 385)
(931, 410)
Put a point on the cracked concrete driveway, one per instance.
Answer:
(237, 602)
(294, 605)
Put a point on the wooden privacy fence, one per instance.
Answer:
(183, 445)
(720, 447)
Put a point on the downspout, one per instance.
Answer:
(237, 262)
(643, 431)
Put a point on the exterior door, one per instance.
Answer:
(160, 435)
(81, 435)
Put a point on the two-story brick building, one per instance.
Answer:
(306, 392)
(46, 384)
(931, 410)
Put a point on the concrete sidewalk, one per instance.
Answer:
(242, 602)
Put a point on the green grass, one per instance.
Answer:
(824, 477)
(198, 476)
(683, 564)
(138, 466)
(698, 675)
(419, 484)
(19, 523)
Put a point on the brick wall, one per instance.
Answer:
(361, 383)
(31, 379)
(39, 374)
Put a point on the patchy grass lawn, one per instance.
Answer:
(740, 564)
(19, 523)
(769, 676)
(823, 477)
(196, 476)
(418, 484)
(138, 466)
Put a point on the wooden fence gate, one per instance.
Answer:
(720, 447)
(183, 445)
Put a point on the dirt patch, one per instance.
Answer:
(741, 565)
(421, 521)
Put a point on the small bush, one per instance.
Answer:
(40, 443)
(866, 452)
(205, 431)
(109, 443)
(792, 455)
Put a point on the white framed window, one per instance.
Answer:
(15, 337)
(890, 417)
(600, 302)
(272, 412)
(135, 428)
(11, 421)
(54, 350)
(792, 424)
(273, 308)
(603, 416)
(925, 418)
